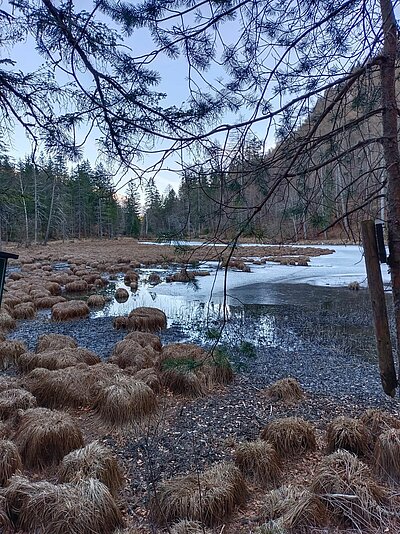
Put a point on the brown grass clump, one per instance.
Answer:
(182, 369)
(147, 320)
(10, 461)
(209, 497)
(278, 501)
(71, 309)
(5, 522)
(56, 359)
(150, 377)
(349, 434)
(387, 455)
(189, 527)
(378, 421)
(96, 301)
(145, 338)
(154, 279)
(24, 311)
(287, 390)
(218, 369)
(48, 302)
(78, 286)
(10, 350)
(259, 461)
(121, 295)
(124, 400)
(44, 437)
(14, 399)
(93, 461)
(55, 341)
(131, 277)
(290, 436)
(7, 322)
(348, 490)
(83, 507)
(128, 353)
(120, 322)
(53, 287)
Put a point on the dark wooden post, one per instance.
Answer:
(379, 311)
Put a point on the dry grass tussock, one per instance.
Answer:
(77, 286)
(189, 527)
(147, 320)
(145, 338)
(74, 386)
(8, 382)
(387, 455)
(10, 461)
(378, 421)
(48, 302)
(96, 301)
(348, 490)
(14, 399)
(128, 353)
(7, 322)
(124, 400)
(287, 390)
(121, 295)
(56, 359)
(55, 341)
(83, 507)
(44, 437)
(209, 497)
(150, 377)
(24, 310)
(72, 309)
(349, 434)
(9, 352)
(290, 436)
(259, 461)
(93, 461)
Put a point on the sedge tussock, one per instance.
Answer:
(10, 461)
(55, 341)
(7, 322)
(72, 309)
(387, 455)
(280, 500)
(121, 295)
(259, 461)
(93, 461)
(189, 527)
(9, 382)
(147, 320)
(149, 376)
(96, 301)
(120, 322)
(124, 400)
(290, 436)
(14, 399)
(287, 390)
(53, 287)
(78, 286)
(128, 353)
(44, 437)
(82, 507)
(48, 302)
(56, 359)
(209, 497)
(5, 522)
(145, 338)
(346, 486)
(349, 434)
(24, 310)
(9, 352)
(377, 421)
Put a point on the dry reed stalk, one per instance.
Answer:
(80, 508)
(14, 399)
(349, 434)
(44, 437)
(147, 319)
(286, 390)
(290, 436)
(7, 322)
(96, 301)
(71, 309)
(48, 302)
(56, 359)
(78, 286)
(10, 350)
(378, 421)
(10, 461)
(24, 311)
(121, 295)
(347, 488)
(387, 455)
(55, 341)
(259, 461)
(209, 497)
(93, 461)
(144, 339)
(124, 400)
(189, 527)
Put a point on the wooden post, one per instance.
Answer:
(379, 311)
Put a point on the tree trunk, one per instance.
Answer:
(391, 151)
(46, 237)
(36, 202)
